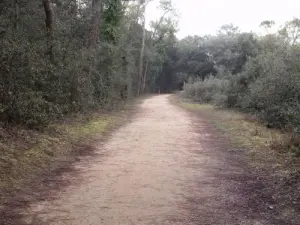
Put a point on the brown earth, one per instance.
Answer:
(166, 166)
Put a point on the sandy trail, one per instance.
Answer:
(161, 168)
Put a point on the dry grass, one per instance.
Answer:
(288, 144)
(241, 129)
(264, 144)
(27, 155)
(270, 151)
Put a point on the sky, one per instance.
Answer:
(201, 17)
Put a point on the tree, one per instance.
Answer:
(291, 31)
(97, 6)
(16, 13)
(267, 24)
(228, 29)
(80, 72)
(167, 8)
(48, 6)
(195, 59)
(141, 62)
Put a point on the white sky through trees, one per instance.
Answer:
(200, 17)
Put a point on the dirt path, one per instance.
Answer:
(164, 167)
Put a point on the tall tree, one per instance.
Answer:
(167, 8)
(97, 7)
(291, 30)
(141, 60)
(16, 13)
(48, 7)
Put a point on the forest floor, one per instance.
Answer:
(167, 165)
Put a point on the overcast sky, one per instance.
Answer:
(206, 16)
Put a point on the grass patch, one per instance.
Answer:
(267, 149)
(240, 128)
(27, 155)
(271, 154)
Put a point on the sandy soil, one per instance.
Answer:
(163, 167)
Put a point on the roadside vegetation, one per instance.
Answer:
(63, 57)
(258, 75)
(62, 63)
(29, 156)
(267, 155)
(252, 97)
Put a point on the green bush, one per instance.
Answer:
(276, 98)
(268, 86)
(46, 75)
(209, 90)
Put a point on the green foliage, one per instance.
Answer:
(49, 72)
(36, 89)
(111, 20)
(194, 59)
(259, 75)
(209, 90)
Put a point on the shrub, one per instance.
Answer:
(268, 87)
(211, 89)
(277, 99)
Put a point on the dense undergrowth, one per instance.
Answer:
(63, 57)
(258, 75)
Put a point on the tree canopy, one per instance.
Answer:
(63, 56)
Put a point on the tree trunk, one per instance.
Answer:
(141, 64)
(16, 13)
(145, 77)
(48, 7)
(97, 7)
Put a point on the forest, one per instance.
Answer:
(59, 57)
(65, 56)
(69, 72)
(255, 74)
